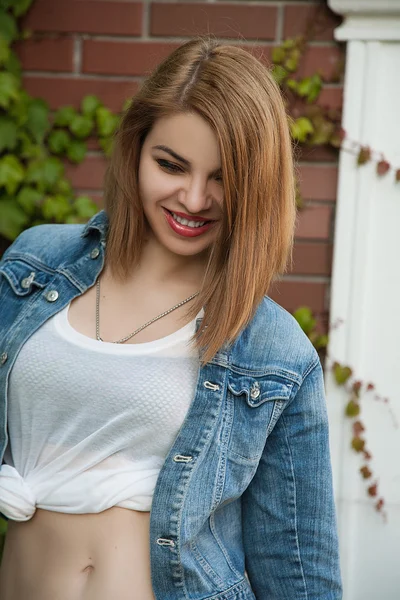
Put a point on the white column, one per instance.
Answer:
(366, 294)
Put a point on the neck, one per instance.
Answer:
(166, 267)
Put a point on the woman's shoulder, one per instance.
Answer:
(273, 341)
(49, 243)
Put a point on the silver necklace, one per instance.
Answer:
(122, 340)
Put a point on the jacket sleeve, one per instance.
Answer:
(289, 517)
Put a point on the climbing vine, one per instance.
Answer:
(35, 144)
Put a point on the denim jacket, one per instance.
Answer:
(243, 506)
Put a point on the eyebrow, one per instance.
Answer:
(180, 158)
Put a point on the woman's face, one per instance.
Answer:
(180, 183)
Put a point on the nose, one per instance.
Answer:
(196, 197)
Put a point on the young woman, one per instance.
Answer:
(163, 425)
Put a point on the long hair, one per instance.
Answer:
(236, 94)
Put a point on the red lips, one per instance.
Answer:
(185, 230)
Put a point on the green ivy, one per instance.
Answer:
(35, 143)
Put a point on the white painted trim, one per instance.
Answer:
(369, 27)
(372, 7)
(367, 19)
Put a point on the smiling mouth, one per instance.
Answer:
(192, 227)
(192, 222)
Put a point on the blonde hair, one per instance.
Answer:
(237, 95)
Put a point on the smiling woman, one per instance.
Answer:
(163, 425)
(182, 201)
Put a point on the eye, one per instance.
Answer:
(169, 166)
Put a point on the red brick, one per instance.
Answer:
(223, 20)
(46, 54)
(328, 61)
(85, 16)
(139, 58)
(60, 91)
(331, 97)
(293, 294)
(312, 259)
(123, 58)
(314, 222)
(87, 175)
(296, 19)
(318, 182)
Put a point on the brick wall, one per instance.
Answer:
(105, 47)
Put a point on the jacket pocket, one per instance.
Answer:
(22, 277)
(253, 406)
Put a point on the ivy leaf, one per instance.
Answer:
(382, 167)
(85, 207)
(45, 173)
(38, 122)
(365, 472)
(9, 87)
(11, 173)
(292, 84)
(64, 116)
(12, 218)
(397, 177)
(81, 126)
(292, 62)
(323, 130)
(352, 409)
(58, 140)
(89, 105)
(341, 374)
(56, 208)
(8, 133)
(13, 65)
(364, 155)
(278, 55)
(300, 128)
(303, 316)
(29, 198)
(337, 137)
(357, 444)
(4, 50)
(28, 148)
(8, 26)
(63, 186)
(279, 73)
(19, 109)
(76, 151)
(358, 427)
(20, 7)
(310, 87)
(106, 121)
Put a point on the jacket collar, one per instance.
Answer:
(100, 222)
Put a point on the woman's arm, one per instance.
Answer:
(289, 519)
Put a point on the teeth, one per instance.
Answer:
(183, 221)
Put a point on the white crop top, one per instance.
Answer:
(90, 423)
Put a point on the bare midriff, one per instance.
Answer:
(58, 556)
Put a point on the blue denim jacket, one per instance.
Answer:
(243, 506)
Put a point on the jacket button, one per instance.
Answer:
(51, 295)
(94, 253)
(165, 542)
(3, 357)
(182, 458)
(26, 282)
(255, 390)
